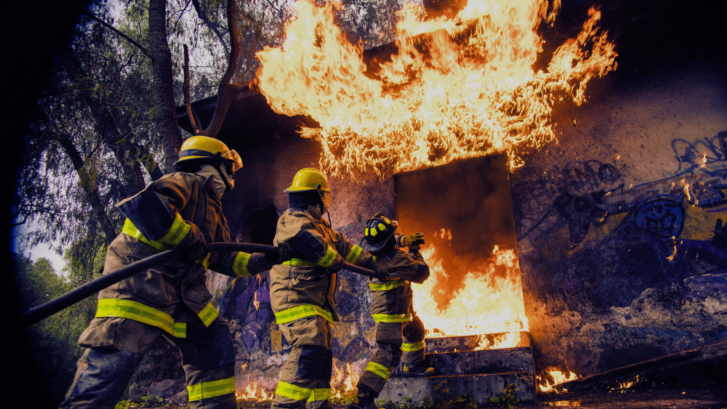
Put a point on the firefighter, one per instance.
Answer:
(181, 210)
(302, 290)
(397, 326)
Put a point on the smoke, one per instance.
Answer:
(464, 209)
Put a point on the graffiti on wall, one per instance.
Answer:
(588, 239)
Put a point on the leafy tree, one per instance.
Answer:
(54, 339)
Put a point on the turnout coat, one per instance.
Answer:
(172, 211)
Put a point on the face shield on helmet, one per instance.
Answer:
(235, 162)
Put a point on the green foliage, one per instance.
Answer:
(254, 403)
(153, 402)
(146, 402)
(508, 398)
(344, 398)
(406, 404)
(466, 401)
(52, 340)
(124, 404)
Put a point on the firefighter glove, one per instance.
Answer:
(411, 240)
(194, 246)
(380, 271)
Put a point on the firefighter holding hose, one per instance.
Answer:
(181, 210)
(302, 291)
(397, 326)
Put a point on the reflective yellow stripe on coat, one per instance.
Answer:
(300, 393)
(328, 258)
(302, 311)
(174, 236)
(353, 254)
(114, 307)
(208, 314)
(389, 285)
(211, 389)
(297, 262)
(391, 318)
(239, 266)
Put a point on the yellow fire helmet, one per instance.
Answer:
(310, 179)
(198, 148)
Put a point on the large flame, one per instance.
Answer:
(488, 304)
(456, 88)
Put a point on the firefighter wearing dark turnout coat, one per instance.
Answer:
(398, 330)
(181, 210)
(302, 291)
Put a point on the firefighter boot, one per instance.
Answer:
(364, 400)
(419, 370)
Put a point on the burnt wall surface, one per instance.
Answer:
(620, 262)
(619, 224)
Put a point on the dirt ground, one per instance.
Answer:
(691, 398)
(711, 397)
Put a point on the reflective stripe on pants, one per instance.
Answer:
(302, 311)
(207, 356)
(305, 379)
(115, 307)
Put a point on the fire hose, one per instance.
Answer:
(58, 304)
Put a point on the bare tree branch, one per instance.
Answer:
(112, 28)
(89, 187)
(21, 223)
(227, 88)
(187, 100)
(212, 26)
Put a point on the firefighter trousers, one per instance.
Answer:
(393, 341)
(207, 356)
(305, 379)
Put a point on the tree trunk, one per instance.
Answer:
(227, 88)
(165, 116)
(90, 188)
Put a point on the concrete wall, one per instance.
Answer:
(620, 261)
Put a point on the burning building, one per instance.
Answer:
(571, 197)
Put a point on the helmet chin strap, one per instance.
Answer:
(323, 206)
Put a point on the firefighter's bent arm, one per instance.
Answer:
(408, 268)
(152, 215)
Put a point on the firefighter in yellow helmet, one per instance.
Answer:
(302, 290)
(397, 326)
(181, 210)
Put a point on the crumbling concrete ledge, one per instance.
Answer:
(438, 388)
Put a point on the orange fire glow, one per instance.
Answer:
(558, 377)
(456, 88)
(343, 383)
(253, 393)
(488, 304)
